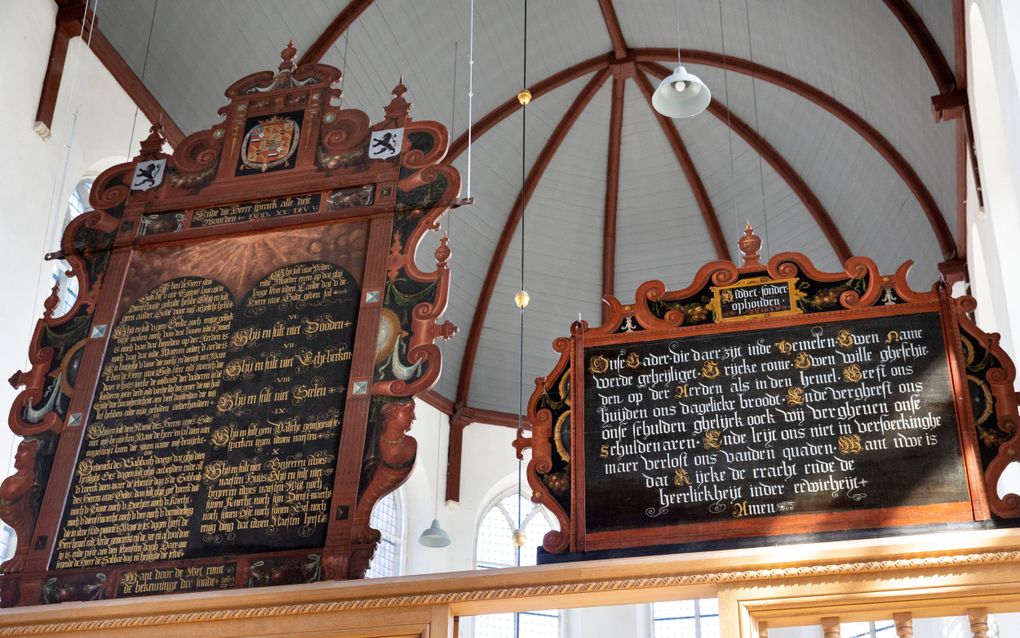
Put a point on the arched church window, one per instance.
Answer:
(495, 549)
(68, 286)
(686, 619)
(388, 518)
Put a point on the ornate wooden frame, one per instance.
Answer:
(978, 368)
(395, 199)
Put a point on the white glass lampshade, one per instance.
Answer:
(682, 94)
(434, 536)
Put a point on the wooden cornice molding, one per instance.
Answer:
(942, 567)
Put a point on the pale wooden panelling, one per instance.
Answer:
(563, 264)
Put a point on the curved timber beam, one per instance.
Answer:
(925, 42)
(534, 176)
(836, 108)
(612, 191)
(332, 33)
(613, 27)
(504, 110)
(690, 171)
(779, 164)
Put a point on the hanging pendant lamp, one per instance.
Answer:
(434, 536)
(682, 94)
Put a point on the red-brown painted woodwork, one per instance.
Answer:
(69, 14)
(613, 27)
(612, 190)
(925, 43)
(332, 33)
(538, 89)
(775, 159)
(124, 248)
(880, 296)
(878, 141)
(485, 296)
(74, 19)
(134, 87)
(530, 183)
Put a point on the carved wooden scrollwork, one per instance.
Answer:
(288, 185)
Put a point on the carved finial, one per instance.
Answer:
(750, 244)
(398, 108)
(400, 89)
(153, 145)
(444, 331)
(443, 251)
(287, 57)
(52, 301)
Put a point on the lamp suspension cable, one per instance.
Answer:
(453, 102)
(145, 65)
(58, 204)
(679, 62)
(435, 536)
(343, 70)
(471, 92)
(757, 129)
(522, 297)
(680, 94)
(729, 125)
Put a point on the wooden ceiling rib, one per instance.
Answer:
(133, 86)
(925, 42)
(849, 117)
(623, 57)
(613, 26)
(612, 191)
(690, 171)
(538, 89)
(336, 28)
(793, 179)
(496, 264)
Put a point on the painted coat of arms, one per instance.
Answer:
(270, 143)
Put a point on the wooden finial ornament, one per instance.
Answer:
(151, 146)
(398, 108)
(287, 57)
(399, 89)
(750, 245)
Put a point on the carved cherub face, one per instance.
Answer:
(25, 454)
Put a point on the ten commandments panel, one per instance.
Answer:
(216, 426)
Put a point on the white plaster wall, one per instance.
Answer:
(32, 191)
(488, 462)
(993, 46)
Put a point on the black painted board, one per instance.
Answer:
(794, 420)
(216, 424)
